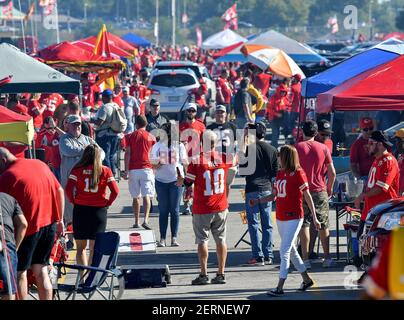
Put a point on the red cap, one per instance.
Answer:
(20, 108)
(297, 76)
(366, 123)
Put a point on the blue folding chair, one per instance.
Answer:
(94, 278)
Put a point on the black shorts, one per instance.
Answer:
(88, 221)
(36, 248)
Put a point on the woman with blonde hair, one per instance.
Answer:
(86, 190)
(291, 187)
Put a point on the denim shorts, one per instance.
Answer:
(13, 269)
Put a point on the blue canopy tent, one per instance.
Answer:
(136, 40)
(351, 67)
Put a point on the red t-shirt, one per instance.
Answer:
(118, 100)
(80, 178)
(209, 175)
(33, 111)
(314, 158)
(35, 187)
(88, 95)
(262, 82)
(384, 174)
(140, 143)
(290, 185)
(52, 103)
(224, 86)
(190, 135)
(360, 154)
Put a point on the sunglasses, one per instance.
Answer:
(325, 134)
(191, 110)
(373, 143)
(367, 129)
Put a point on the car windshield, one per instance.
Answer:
(173, 80)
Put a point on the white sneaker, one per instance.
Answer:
(307, 264)
(329, 263)
(161, 243)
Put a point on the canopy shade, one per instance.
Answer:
(73, 58)
(380, 88)
(15, 127)
(115, 51)
(136, 40)
(276, 60)
(297, 51)
(222, 40)
(349, 68)
(30, 75)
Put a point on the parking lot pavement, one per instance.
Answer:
(243, 282)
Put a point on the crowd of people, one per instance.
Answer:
(193, 161)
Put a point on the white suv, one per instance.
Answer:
(200, 72)
(172, 88)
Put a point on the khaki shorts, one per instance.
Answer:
(231, 173)
(320, 200)
(210, 222)
(141, 183)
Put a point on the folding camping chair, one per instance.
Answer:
(95, 277)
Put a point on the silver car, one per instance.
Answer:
(172, 88)
(200, 72)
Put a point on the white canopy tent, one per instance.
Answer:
(222, 40)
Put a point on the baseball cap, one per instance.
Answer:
(73, 119)
(107, 93)
(221, 107)
(379, 136)
(154, 102)
(324, 126)
(400, 133)
(310, 128)
(125, 89)
(191, 105)
(366, 123)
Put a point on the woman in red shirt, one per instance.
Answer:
(86, 189)
(291, 183)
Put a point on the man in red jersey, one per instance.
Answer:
(224, 90)
(190, 134)
(361, 160)
(209, 173)
(295, 96)
(140, 92)
(52, 101)
(42, 200)
(139, 170)
(383, 180)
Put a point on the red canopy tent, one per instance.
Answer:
(397, 35)
(380, 88)
(70, 57)
(113, 40)
(115, 51)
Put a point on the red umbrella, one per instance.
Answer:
(65, 51)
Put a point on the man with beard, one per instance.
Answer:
(383, 176)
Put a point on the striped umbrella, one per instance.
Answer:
(276, 60)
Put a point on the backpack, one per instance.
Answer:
(119, 121)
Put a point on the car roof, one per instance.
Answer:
(156, 72)
(177, 63)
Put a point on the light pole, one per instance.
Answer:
(173, 7)
(370, 20)
(156, 26)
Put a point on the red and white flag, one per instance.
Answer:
(230, 18)
(8, 10)
(198, 37)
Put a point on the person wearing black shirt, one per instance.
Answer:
(12, 230)
(154, 118)
(226, 132)
(243, 105)
(258, 185)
